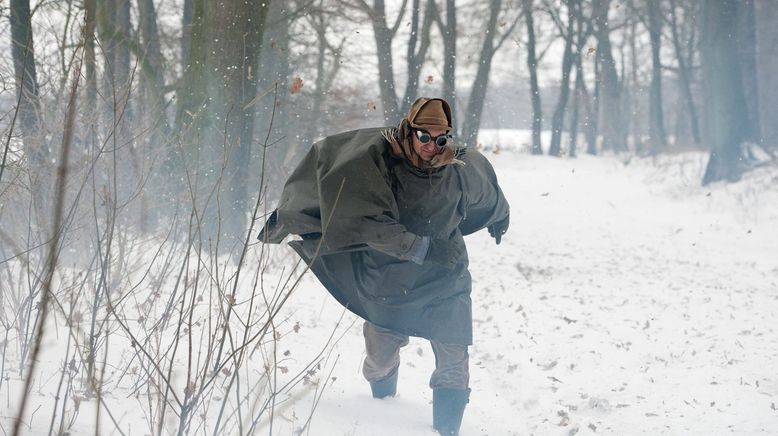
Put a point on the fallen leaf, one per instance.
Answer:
(297, 85)
(371, 105)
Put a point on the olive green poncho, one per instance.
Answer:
(364, 210)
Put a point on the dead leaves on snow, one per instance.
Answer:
(297, 85)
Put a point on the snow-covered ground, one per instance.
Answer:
(625, 299)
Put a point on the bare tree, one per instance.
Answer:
(613, 134)
(448, 30)
(747, 59)
(384, 35)
(558, 119)
(418, 44)
(492, 42)
(532, 65)
(725, 110)
(684, 71)
(656, 110)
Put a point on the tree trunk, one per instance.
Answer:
(191, 94)
(558, 119)
(747, 59)
(26, 77)
(634, 117)
(416, 57)
(449, 32)
(725, 111)
(383, 39)
(186, 31)
(113, 28)
(592, 111)
(475, 104)
(320, 21)
(583, 29)
(90, 64)
(214, 118)
(573, 147)
(532, 65)
(154, 115)
(236, 37)
(152, 64)
(613, 134)
(685, 74)
(767, 65)
(656, 118)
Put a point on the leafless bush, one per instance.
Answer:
(162, 313)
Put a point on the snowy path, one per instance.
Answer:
(624, 300)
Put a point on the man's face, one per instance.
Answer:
(429, 150)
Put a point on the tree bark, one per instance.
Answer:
(767, 65)
(475, 104)
(592, 112)
(656, 118)
(152, 64)
(26, 77)
(90, 65)
(725, 109)
(416, 56)
(684, 71)
(613, 134)
(186, 31)
(532, 65)
(449, 32)
(191, 93)
(236, 30)
(747, 60)
(383, 39)
(558, 119)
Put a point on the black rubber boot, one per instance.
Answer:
(386, 387)
(448, 406)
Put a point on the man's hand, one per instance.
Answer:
(445, 253)
(499, 228)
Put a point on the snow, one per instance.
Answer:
(625, 299)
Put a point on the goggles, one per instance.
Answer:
(440, 141)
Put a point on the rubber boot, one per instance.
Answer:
(386, 387)
(448, 406)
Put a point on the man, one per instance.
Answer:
(382, 214)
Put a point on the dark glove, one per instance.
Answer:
(496, 230)
(445, 253)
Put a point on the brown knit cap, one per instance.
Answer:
(430, 113)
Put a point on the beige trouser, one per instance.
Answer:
(383, 358)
